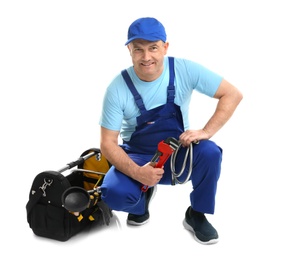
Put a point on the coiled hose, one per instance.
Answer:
(176, 175)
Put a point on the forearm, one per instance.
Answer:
(118, 158)
(224, 110)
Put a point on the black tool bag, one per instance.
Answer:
(61, 206)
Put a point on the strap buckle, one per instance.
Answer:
(47, 182)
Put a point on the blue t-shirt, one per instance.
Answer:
(119, 110)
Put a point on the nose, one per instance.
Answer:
(146, 55)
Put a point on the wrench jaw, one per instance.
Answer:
(156, 156)
(164, 151)
(173, 143)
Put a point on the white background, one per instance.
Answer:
(57, 58)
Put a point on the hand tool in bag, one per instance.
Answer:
(76, 199)
(164, 150)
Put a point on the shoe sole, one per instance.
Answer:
(133, 223)
(189, 228)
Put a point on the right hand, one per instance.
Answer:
(149, 175)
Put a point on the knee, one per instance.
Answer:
(120, 197)
(111, 190)
(207, 161)
(112, 197)
(209, 150)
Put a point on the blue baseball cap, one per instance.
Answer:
(146, 28)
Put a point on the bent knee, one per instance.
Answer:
(210, 149)
(118, 198)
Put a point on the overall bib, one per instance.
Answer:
(122, 193)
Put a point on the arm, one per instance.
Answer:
(147, 174)
(228, 99)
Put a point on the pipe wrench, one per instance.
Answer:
(164, 150)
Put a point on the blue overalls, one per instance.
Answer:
(122, 193)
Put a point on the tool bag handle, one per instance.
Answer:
(78, 161)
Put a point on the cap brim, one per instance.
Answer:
(146, 38)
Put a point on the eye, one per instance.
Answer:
(154, 48)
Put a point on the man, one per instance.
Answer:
(148, 103)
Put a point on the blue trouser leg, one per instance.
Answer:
(207, 157)
(205, 175)
(121, 192)
(124, 194)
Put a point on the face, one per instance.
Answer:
(147, 58)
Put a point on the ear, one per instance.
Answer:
(128, 47)
(166, 46)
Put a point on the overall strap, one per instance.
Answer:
(171, 87)
(135, 93)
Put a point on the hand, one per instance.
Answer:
(148, 175)
(192, 136)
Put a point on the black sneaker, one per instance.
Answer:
(138, 220)
(197, 223)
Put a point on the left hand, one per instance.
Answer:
(192, 136)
